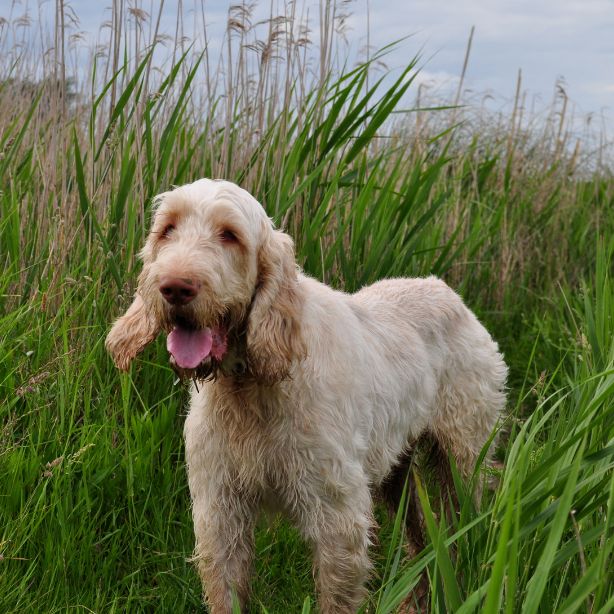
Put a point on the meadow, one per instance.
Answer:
(514, 212)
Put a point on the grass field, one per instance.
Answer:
(94, 507)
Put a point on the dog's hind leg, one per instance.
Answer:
(392, 491)
(400, 478)
(463, 440)
(470, 402)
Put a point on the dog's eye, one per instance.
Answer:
(167, 231)
(228, 236)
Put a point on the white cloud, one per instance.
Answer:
(437, 81)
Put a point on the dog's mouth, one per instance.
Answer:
(200, 352)
(190, 346)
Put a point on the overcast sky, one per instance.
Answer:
(546, 39)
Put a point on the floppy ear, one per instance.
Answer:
(130, 334)
(274, 338)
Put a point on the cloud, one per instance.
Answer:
(437, 81)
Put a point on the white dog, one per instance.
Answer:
(306, 398)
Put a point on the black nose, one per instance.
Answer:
(178, 291)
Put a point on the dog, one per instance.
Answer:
(305, 399)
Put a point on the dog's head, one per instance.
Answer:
(220, 281)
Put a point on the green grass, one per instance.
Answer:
(94, 507)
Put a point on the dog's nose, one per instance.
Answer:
(178, 291)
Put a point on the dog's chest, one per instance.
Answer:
(258, 438)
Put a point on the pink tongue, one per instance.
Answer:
(189, 347)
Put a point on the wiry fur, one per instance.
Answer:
(337, 388)
(274, 339)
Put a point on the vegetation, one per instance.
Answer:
(94, 507)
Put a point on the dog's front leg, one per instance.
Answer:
(224, 528)
(340, 535)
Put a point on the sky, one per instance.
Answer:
(548, 40)
(570, 42)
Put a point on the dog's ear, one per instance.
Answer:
(274, 338)
(130, 334)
